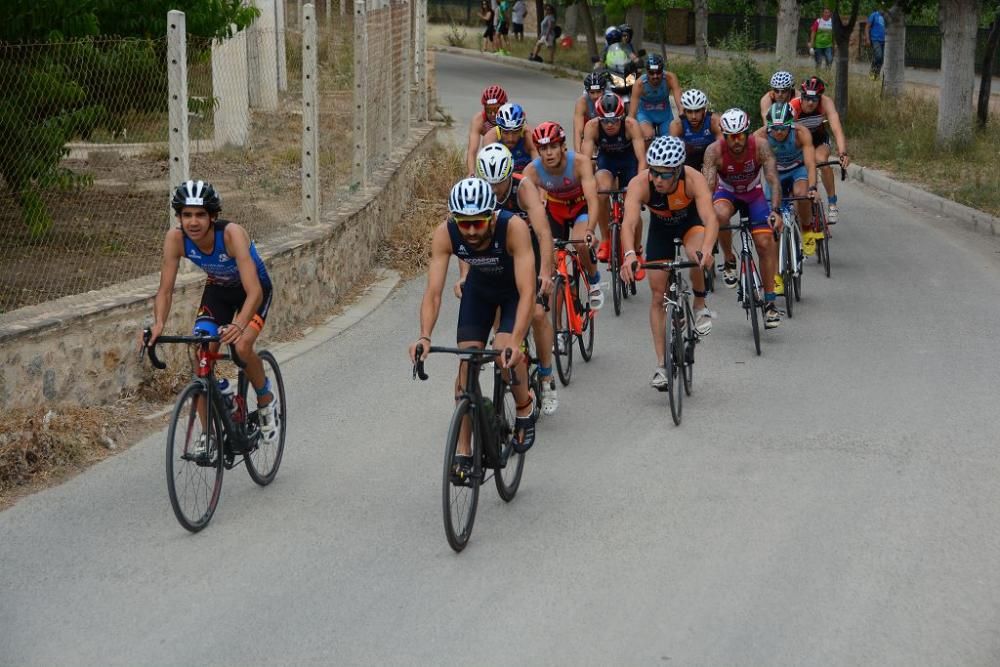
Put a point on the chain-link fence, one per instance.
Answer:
(284, 117)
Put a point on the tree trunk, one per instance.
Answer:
(760, 13)
(842, 37)
(635, 16)
(958, 19)
(539, 14)
(588, 27)
(700, 29)
(571, 21)
(985, 83)
(894, 65)
(788, 31)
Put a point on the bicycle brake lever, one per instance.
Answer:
(418, 366)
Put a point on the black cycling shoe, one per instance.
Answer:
(461, 470)
(526, 424)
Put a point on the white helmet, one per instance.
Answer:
(782, 80)
(472, 196)
(734, 121)
(693, 100)
(494, 163)
(666, 152)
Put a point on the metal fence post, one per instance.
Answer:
(310, 118)
(385, 135)
(180, 157)
(407, 54)
(361, 156)
(420, 58)
(279, 41)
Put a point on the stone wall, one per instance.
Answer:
(82, 349)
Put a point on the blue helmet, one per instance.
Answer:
(612, 35)
(654, 62)
(510, 117)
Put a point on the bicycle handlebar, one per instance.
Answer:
(151, 349)
(669, 266)
(832, 163)
(418, 367)
(620, 191)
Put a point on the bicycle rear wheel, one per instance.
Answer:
(460, 495)
(673, 360)
(264, 458)
(194, 459)
(508, 478)
(563, 334)
(614, 266)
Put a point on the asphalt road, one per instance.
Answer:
(832, 502)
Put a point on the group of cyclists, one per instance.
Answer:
(527, 185)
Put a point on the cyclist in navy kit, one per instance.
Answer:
(237, 292)
(497, 247)
(697, 127)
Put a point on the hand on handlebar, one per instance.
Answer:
(845, 160)
(458, 288)
(813, 193)
(776, 222)
(628, 270)
(511, 357)
(546, 283)
(705, 258)
(421, 347)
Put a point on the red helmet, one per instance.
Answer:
(813, 87)
(548, 133)
(610, 106)
(494, 95)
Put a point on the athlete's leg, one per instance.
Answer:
(693, 241)
(826, 173)
(724, 210)
(657, 316)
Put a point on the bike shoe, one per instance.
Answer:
(772, 318)
(550, 397)
(604, 251)
(461, 470)
(729, 274)
(659, 381)
(703, 321)
(832, 214)
(526, 424)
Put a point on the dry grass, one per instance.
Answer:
(407, 249)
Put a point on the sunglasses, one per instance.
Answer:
(479, 222)
(779, 128)
(610, 121)
(665, 174)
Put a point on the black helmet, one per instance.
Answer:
(196, 193)
(626, 31)
(654, 62)
(594, 81)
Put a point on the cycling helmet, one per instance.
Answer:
(595, 81)
(780, 115)
(734, 121)
(494, 95)
(654, 62)
(612, 35)
(626, 31)
(548, 133)
(196, 193)
(693, 99)
(813, 87)
(510, 117)
(782, 80)
(472, 196)
(610, 106)
(666, 152)
(494, 163)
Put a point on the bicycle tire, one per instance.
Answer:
(690, 339)
(588, 318)
(787, 274)
(562, 331)
(826, 255)
(462, 500)
(751, 302)
(508, 478)
(799, 259)
(672, 336)
(264, 460)
(200, 474)
(614, 266)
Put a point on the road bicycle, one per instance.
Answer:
(821, 222)
(571, 318)
(750, 288)
(210, 432)
(680, 336)
(489, 425)
(790, 252)
(619, 290)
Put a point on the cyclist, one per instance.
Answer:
(571, 192)
(497, 247)
(680, 206)
(651, 95)
(520, 197)
(586, 105)
(734, 169)
(795, 158)
(621, 153)
(814, 111)
(483, 122)
(237, 294)
(513, 132)
(697, 127)
(782, 90)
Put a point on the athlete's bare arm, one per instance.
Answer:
(519, 246)
(633, 105)
(697, 187)
(833, 118)
(636, 195)
(588, 147)
(804, 140)
(585, 172)
(710, 167)
(173, 250)
(634, 132)
(675, 90)
(765, 106)
(676, 127)
(579, 120)
(530, 201)
(430, 306)
(238, 246)
(770, 168)
(717, 127)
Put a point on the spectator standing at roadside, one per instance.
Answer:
(875, 36)
(517, 22)
(821, 39)
(547, 36)
(503, 27)
(486, 16)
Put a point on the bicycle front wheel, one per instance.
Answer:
(674, 361)
(508, 478)
(563, 339)
(614, 266)
(265, 457)
(787, 272)
(753, 300)
(460, 492)
(194, 459)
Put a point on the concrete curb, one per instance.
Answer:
(974, 219)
